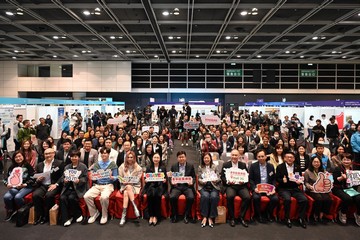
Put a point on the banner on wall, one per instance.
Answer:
(61, 113)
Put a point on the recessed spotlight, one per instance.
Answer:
(54, 56)
(94, 39)
(178, 37)
(217, 51)
(134, 51)
(301, 56)
(83, 51)
(310, 64)
(322, 37)
(315, 38)
(112, 37)
(171, 37)
(333, 52)
(293, 52)
(55, 37)
(156, 56)
(19, 11)
(238, 56)
(343, 57)
(120, 37)
(165, 13)
(97, 13)
(86, 12)
(13, 57)
(225, 51)
(236, 37)
(176, 11)
(9, 13)
(115, 56)
(75, 56)
(258, 56)
(254, 13)
(88, 51)
(227, 37)
(287, 52)
(97, 9)
(173, 51)
(128, 51)
(63, 37)
(180, 51)
(197, 56)
(16, 51)
(243, 13)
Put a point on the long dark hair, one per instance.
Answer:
(311, 167)
(202, 159)
(152, 165)
(146, 154)
(13, 158)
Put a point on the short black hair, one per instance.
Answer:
(66, 140)
(180, 153)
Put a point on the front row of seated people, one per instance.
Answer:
(50, 181)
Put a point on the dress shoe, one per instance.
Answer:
(186, 219)
(94, 217)
(232, 222)
(211, 225)
(103, 220)
(261, 219)
(37, 221)
(288, 223)
(80, 219)
(302, 223)
(43, 220)
(173, 219)
(243, 222)
(68, 222)
(270, 218)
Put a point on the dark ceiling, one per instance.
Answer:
(203, 30)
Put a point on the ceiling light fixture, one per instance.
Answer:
(54, 56)
(19, 11)
(238, 56)
(301, 56)
(315, 38)
(156, 56)
(55, 37)
(75, 56)
(287, 52)
(176, 11)
(343, 57)
(218, 51)
(115, 56)
(171, 37)
(9, 13)
(258, 56)
(236, 37)
(227, 37)
(165, 13)
(13, 57)
(178, 37)
(97, 11)
(243, 13)
(86, 12)
(112, 37)
(310, 64)
(128, 51)
(173, 51)
(197, 56)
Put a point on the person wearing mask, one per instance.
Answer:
(355, 143)
(187, 169)
(263, 172)
(288, 187)
(73, 190)
(88, 155)
(103, 187)
(47, 185)
(15, 194)
(233, 189)
(275, 139)
(208, 145)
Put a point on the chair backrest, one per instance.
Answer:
(215, 156)
(226, 156)
(219, 164)
(250, 155)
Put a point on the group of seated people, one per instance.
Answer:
(210, 181)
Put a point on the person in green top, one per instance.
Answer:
(25, 132)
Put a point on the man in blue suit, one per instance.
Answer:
(263, 172)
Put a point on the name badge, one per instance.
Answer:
(271, 173)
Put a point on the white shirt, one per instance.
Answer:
(290, 169)
(47, 168)
(234, 165)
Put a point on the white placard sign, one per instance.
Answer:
(71, 175)
(129, 179)
(236, 175)
(210, 120)
(209, 176)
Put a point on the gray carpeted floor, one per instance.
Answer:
(166, 230)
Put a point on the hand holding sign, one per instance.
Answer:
(15, 178)
(322, 184)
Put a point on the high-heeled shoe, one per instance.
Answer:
(150, 223)
(154, 223)
(211, 224)
(203, 224)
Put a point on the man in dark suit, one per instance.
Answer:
(63, 154)
(224, 145)
(288, 188)
(47, 186)
(182, 166)
(121, 156)
(233, 189)
(232, 139)
(88, 155)
(263, 172)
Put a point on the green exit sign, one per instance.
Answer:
(233, 72)
(308, 73)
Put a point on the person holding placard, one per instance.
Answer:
(155, 189)
(312, 178)
(19, 183)
(262, 172)
(341, 189)
(325, 160)
(103, 185)
(184, 168)
(235, 188)
(75, 185)
(128, 188)
(48, 174)
(288, 186)
(209, 187)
